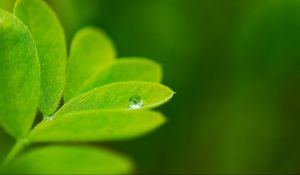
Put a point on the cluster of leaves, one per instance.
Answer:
(35, 74)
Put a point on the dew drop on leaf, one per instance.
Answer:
(135, 102)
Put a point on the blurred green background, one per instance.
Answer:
(235, 65)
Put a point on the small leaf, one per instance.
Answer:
(70, 160)
(117, 95)
(91, 50)
(19, 76)
(126, 69)
(51, 45)
(97, 126)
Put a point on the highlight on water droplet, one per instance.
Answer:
(135, 102)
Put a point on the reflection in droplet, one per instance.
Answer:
(135, 102)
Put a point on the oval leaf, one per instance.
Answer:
(51, 45)
(19, 76)
(91, 50)
(70, 160)
(117, 95)
(97, 126)
(126, 69)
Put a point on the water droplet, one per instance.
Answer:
(135, 102)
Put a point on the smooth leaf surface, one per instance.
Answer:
(91, 51)
(19, 76)
(51, 45)
(126, 69)
(70, 160)
(97, 126)
(116, 96)
(7, 4)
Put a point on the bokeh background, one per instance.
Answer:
(235, 65)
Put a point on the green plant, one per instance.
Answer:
(105, 99)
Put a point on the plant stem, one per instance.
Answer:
(18, 147)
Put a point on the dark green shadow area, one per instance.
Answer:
(235, 66)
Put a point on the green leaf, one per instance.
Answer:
(19, 76)
(91, 50)
(126, 69)
(97, 126)
(70, 160)
(116, 96)
(7, 4)
(51, 45)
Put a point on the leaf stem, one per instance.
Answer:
(17, 148)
